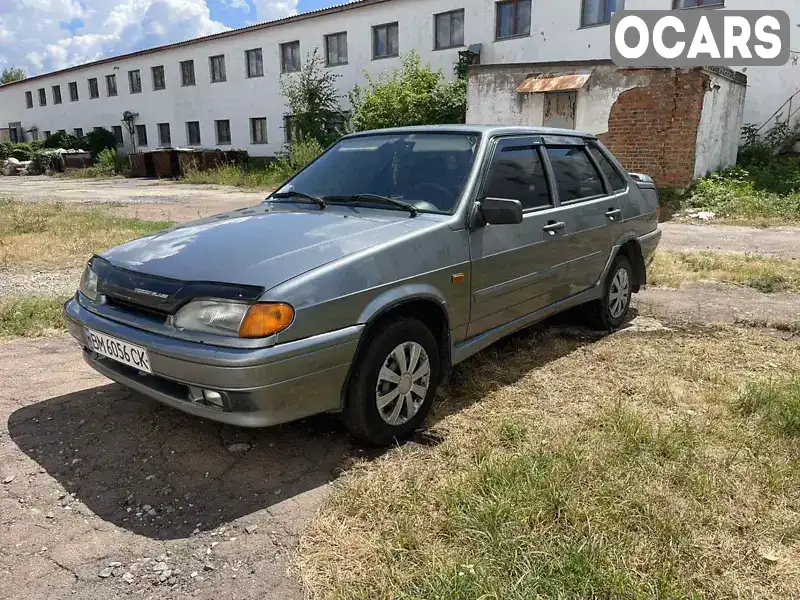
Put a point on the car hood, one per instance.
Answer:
(262, 245)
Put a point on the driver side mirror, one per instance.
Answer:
(499, 211)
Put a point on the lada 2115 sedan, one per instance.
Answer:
(357, 285)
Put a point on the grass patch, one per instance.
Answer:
(257, 179)
(55, 235)
(30, 316)
(777, 403)
(767, 275)
(766, 194)
(575, 468)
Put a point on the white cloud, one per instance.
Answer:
(240, 4)
(268, 10)
(33, 37)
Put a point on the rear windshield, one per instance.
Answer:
(427, 170)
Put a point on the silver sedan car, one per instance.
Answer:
(358, 284)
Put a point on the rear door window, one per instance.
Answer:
(517, 173)
(575, 175)
(615, 180)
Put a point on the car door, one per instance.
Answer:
(516, 268)
(588, 211)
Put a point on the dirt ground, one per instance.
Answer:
(106, 494)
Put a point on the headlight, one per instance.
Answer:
(88, 285)
(234, 319)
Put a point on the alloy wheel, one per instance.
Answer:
(620, 294)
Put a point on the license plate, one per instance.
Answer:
(118, 350)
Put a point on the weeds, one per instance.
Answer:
(767, 275)
(559, 477)
(30, 316)
(776, 403)
(55, 235)
(299, 154)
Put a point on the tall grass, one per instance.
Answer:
(299, 154)
(30, 316)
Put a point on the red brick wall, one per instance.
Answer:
(653, 129)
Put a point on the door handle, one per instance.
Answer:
(554, 227)
(613, 214)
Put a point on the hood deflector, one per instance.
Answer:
(160, 294)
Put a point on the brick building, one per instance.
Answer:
(673, 124)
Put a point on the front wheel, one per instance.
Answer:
(610, 311)
(393, 383)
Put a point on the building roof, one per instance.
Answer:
(224, 34)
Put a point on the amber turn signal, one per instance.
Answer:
(263, 320)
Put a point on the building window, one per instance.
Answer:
(697, 3)
(513, 18)
(258, 130)
(187, 72)
(254, 62)
(47, 134)
(164, 137)
(449, 29)
(217, 66)
(290, 57)
(336, 49)
(159, 82)
(111, 85)
(291, 133)
(56, 94)
(28, 99)
(385, 41)
(42, 97)
(78, 132)
(94, 92)
(73, 91)
(141, 135)
(336, 124)
(598, 12)
(135, 81)
(117, 131)
(223, 129)
(193, 133)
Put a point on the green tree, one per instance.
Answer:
(313, 100)
(12, 74)
(413, 94)
(98, 140)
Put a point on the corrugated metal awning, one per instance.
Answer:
(554, 82)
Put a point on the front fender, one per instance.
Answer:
(397, 295)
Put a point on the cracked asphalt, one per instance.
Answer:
(106, 494)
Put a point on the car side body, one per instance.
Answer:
(351, 272)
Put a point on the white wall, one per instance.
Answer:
(555, 36)
(720, 125)
(492, 98)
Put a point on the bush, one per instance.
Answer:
(296, 157)
(62, 139)
(98, 140)
(44, 161)
(19, 150)
(412, 95)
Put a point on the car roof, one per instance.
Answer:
(490, 130)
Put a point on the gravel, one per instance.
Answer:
(20, 282)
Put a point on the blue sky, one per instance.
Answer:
(47, 35)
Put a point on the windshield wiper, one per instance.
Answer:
(376, 198)
(301, 196)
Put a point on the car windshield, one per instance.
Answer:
(426, 170)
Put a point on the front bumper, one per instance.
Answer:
(260, 387)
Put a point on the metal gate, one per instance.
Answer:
(559, 109)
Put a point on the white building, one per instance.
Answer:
(222, 90)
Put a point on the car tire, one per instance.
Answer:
(385, 400)
(611, 310)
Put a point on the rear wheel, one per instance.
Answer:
(610, 311)
(393, 384)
